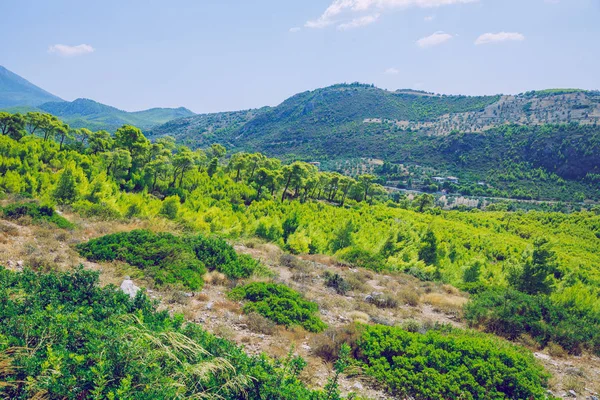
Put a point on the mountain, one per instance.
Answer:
(310, 123)
(19, 95)
(93, 115)
(509, 142)
(16, 91)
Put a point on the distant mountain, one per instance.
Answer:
(93, 115)
(19, 95)
(16, 91)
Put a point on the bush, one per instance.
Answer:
(337, 282)
(217, 254)
(171, 259)
(37, 213)
(67, 338)
(509, 313)
(163, 256)
(456, 364)
(280, 304)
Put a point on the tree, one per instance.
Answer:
(182, 162)
(100, 141)
(66, 188)
(538, 269)
(293, 175)
(428, 250)
(12, 125)
(217, 151)
(170, 207)
(423, 201)
(365, 182)
(343, 237)
(262, 178)
(132, 139)
(212, 166)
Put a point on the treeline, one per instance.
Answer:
(165, 168)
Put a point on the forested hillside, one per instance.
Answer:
(551, 139)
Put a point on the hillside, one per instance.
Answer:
(90, 114)
(16, 91)
(411, 128)
(292, 269)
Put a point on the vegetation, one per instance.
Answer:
(170, 259)
(551, 259)
(36, 212)
(443, 364)
(62, 336)
(280, 304)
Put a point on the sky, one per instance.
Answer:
(223, 55)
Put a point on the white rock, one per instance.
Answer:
(572, 393)
(128, 287)
(542, 356)
(357, 386)
(209, 305)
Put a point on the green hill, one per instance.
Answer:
(93, 115)
(16, 91)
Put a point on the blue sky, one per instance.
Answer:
(218, 55)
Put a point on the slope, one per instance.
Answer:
(16, 91)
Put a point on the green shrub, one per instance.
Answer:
(37, 213)
(455, 364)
(510, 313)
(163, 256)
(280, 304)
(217, 254)
(64, 337)
(337, 282)
(171, 259)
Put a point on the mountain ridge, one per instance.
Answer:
(19, 95)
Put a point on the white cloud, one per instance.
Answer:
(392, 71)
(434, 40)
(489, 37)
(70, 51)
(294, 29)
(358, 22)
(429, 18)
(338, 8)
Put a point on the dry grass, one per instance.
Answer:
(258, 324)
(556, 350)
(445, 303)
(408, 296)
(215, 278)
(327, 345)
(228, 305)
(359, 316)
(202, 297)
(8, 229)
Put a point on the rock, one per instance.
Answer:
(542, 356)
(209, 305)
(572, 393)
(128, 287)
(357, 386)
(305, 347)
(20, 263)
(593, 398)
(10, 263)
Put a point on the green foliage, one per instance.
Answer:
(170, 207)
(335, 280)
(280, 304)
(37, 213)
(538, 269)
(62, 336)
(217, 254)
(166, 258)
(428, 250)
(454, 364)
(509, 313)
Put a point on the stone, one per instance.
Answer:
(357, 386)
(572, 393)
(128, 287)
(209, 305)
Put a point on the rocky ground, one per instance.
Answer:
(396, 299)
